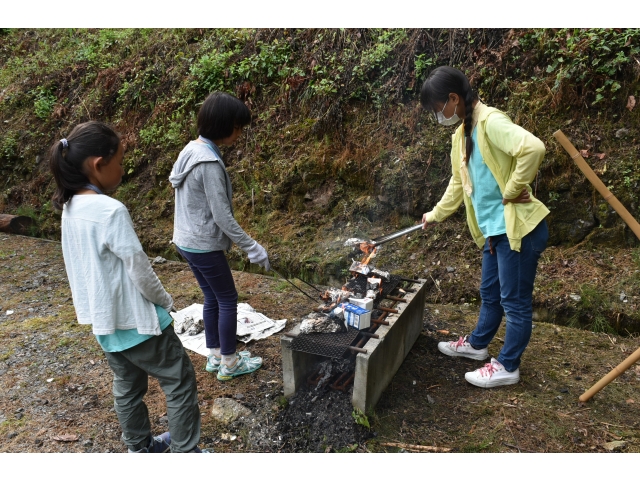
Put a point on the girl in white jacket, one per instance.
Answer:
(115, 290)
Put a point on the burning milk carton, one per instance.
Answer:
(355, 316)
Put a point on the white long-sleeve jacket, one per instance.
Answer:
(112, 282)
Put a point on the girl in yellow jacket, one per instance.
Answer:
(493, 162)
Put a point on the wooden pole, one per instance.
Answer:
(633, 225)
(593, 178)
(609, 377)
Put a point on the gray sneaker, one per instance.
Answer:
(462, 348)
(213, 362)
(242, 366)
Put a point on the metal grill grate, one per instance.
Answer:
(332, 345)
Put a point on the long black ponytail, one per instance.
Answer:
(436, 89)
(67, 157)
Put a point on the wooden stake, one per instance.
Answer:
(596, 182)
(633, 225)
(609, 377)
(418, 448)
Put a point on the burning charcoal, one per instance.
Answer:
(381, 273)
(196, 327)
(358, 267)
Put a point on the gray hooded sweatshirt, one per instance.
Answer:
(203, 217)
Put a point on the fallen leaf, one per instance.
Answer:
(600, 156)
(613, 446)
(444, 332)
(66, 438)
(630, 401)
(584, 153)
(631, 102)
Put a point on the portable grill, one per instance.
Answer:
(370, 357)
(336, 345)
(333, 345)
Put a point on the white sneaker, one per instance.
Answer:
(492, 375)
(462, 348)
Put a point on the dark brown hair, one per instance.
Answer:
(436, 89)
(67, 157)
(220, 114)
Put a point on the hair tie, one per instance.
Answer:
(64, 143)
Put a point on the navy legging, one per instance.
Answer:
(220, 311)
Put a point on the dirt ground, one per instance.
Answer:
(56, 396)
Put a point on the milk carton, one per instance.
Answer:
(355, 316)
(366, 303)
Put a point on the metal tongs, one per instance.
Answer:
(295, 286)
(392, 236)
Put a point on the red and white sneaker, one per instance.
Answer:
(491, 375)
(462, 348)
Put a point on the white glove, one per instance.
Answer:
(257, 254)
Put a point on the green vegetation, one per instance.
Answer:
(360, 418)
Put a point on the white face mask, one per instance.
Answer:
(452, 120)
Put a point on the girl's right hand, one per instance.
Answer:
(524, 197)
(424, 221)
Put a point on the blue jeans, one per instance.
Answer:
(220, 310)
(507, 288)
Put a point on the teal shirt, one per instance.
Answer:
(122, 340)
(193, 250)
(486, 196)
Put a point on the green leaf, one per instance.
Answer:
(360, 418)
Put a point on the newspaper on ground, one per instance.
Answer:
(252, 325)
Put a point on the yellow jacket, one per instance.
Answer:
(513, 155)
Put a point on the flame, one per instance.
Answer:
(370, 252)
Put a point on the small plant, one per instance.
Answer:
(348, 449)
(360, 418)
(422, 64)
(43, 103)
(281, 286)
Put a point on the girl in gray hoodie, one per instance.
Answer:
(204, 229)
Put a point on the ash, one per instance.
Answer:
(333, 367)
(316, 419)
(319, 323)
(320, 419)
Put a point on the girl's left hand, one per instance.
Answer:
(524, 197)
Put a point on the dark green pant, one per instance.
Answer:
(164, 358)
